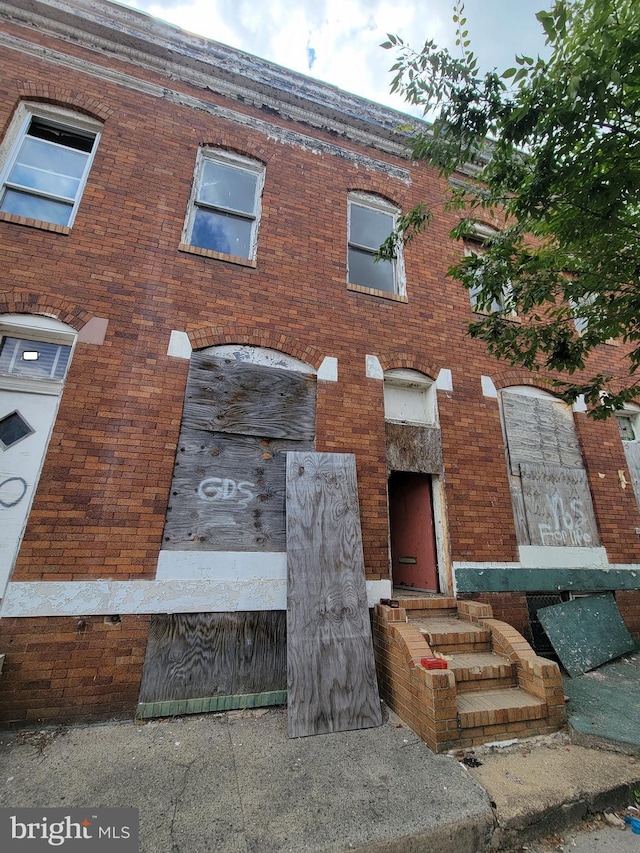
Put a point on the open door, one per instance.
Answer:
(413, 544)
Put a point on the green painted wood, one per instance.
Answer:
(586, 632)
(331, 677)
(543, 580)
(147, 710)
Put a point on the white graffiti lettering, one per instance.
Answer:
(567, 526)
(226, 489)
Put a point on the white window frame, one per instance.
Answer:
(374, 202)
(474, 246)
(228, 158)
(36, 328)
(630, 413)
(409, 398)
(62, 117)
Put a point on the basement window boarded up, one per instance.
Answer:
(549, 489)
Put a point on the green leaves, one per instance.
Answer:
(557, 145)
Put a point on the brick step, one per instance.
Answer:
(482, 671)
(449, 635)
(483, 708)
(418, 605)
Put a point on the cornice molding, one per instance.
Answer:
(143, 41)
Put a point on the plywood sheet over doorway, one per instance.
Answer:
(413, 545)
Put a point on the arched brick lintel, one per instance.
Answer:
(515, 376)
(212, 336)
(28, 302)
(397, 359)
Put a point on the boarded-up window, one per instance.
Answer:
(549, 489)
(239, 420)
(629, 426)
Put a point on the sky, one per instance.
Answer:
(338, 41)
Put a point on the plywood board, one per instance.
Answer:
(194, 655)
(331, 678)
(228, 493)
(413, 449)
(586, 632)
(632, 452)
(558, 507)
(540, 431)
(224, 395)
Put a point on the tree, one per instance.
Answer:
(551, 148)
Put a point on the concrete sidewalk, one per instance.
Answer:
(236, 782)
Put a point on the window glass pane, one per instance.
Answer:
(369, 227)
(36, 169)
(53, 158)
(36, 359)
(13, 428)
(229, 187)
(35, 207)
(221, 232)
(625, 425)
(363, 270)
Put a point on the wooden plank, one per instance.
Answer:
(558, 506)
(331, 678)
(632, 453)
(194, 655)
(224, 395)
(414, 449)
(586, 632)
(540, 431)
(228, 493)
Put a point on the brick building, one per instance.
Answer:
(178, 216)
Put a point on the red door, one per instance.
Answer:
(413, 546)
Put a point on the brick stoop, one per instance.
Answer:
(495, 687)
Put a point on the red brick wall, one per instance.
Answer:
(71, 669)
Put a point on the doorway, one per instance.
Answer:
(413, 544)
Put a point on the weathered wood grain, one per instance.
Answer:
(331, 677)
(227, 493)
(558, 506)
(416, 449)
(224, 395)
(540, 431)
(196, 655)
(632, 453)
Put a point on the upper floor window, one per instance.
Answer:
(629, 423)
(481, 234)
(371, 221)
(46, 160)
(224, 211)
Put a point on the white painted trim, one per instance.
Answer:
(328, 370)
(488, 388)
(221, 565)
(373, 368)
(103, 598)
(179, 345)
(259, 355)
(444, 381)
(580, 404)
(555, 557)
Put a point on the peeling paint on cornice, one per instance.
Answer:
(146, 42)
(272, 131)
